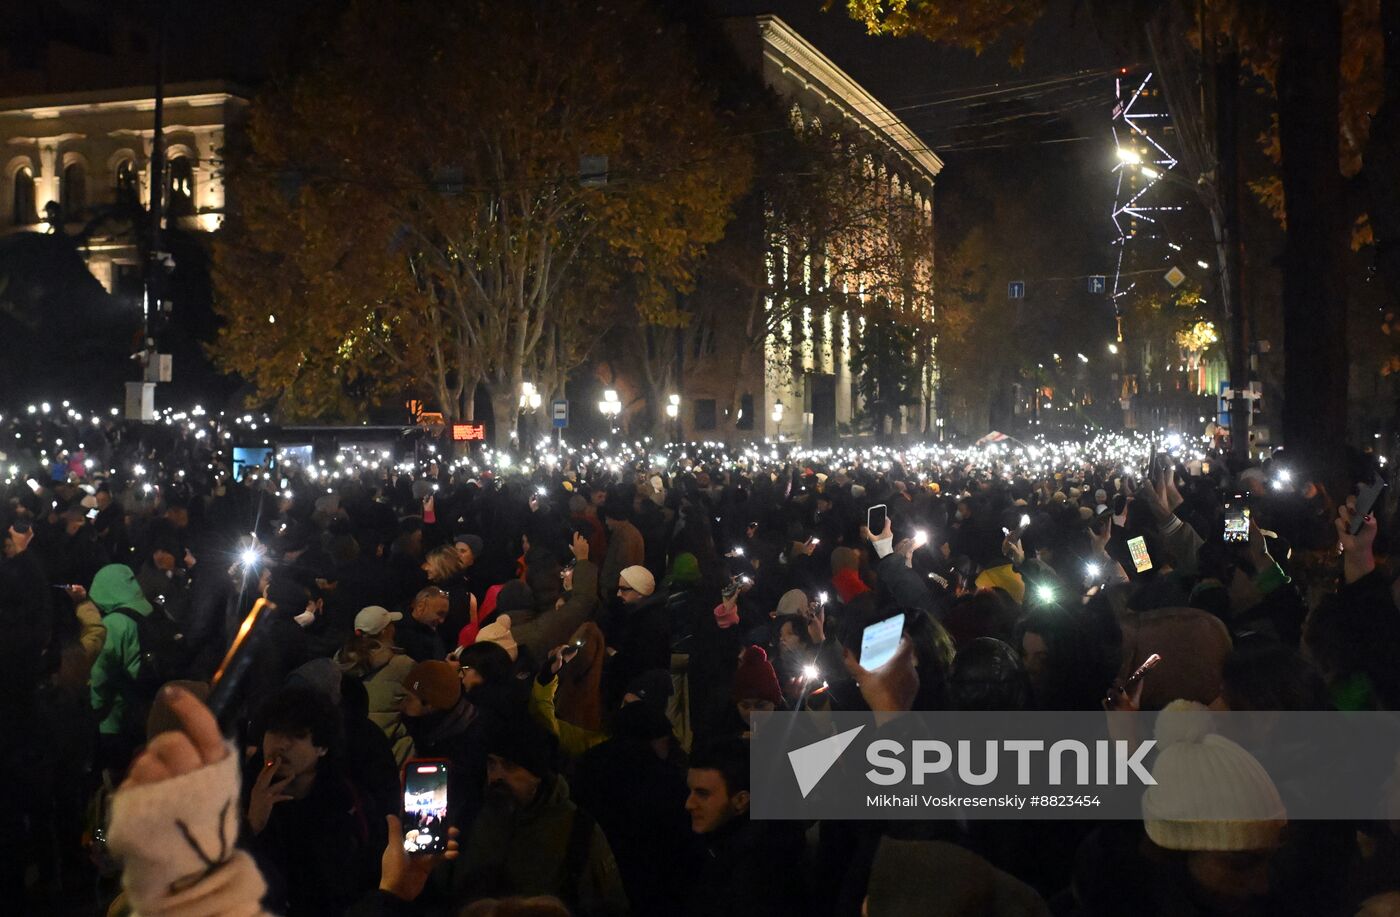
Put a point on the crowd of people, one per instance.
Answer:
(585, 640)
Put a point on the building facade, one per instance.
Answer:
(803, 387)
(81, 162)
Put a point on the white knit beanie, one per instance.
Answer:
(1211, 794)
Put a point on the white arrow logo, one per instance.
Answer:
(811, 762)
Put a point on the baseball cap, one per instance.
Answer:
(372, 619)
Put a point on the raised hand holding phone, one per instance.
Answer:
(405, 876)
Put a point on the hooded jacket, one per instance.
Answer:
(523, 852)
(382, 675)
(119, 661)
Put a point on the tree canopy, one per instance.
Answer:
(413, 212)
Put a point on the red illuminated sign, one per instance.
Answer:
(468, 432)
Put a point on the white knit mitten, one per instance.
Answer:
(176, 840)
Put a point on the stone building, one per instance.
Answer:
(799, 385)
(82, 160)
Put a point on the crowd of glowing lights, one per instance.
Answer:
(64, 443)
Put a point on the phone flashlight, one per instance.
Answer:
(738, 552)
(541, 491)
(920, 538)
(1025, 521)
(1045, 593)
(811, 672)
(821, 598)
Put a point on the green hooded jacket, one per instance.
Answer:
(119, 662)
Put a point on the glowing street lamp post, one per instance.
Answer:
(610, 407)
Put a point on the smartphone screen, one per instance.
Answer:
(1141, 559)
(424, 807)
(875, 519)
(1236, 525)
(879, 641)
(1365, 502)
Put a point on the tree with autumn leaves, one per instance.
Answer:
(416, 210)
(1331, 68)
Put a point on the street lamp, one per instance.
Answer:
(673, 411)
(1112, 348)
(778, 411)
(530, 398)
(610, 407)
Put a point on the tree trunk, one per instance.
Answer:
(505, 412)
(1381, 173)
(1314, 285)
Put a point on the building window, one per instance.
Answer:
(24, 213)
(745, 412)
(705, 414)
(181, 187)
(127, 194)
(74, 189)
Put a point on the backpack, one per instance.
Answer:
(162, 647)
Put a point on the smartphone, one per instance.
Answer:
(93, 513)
(875, 518)
(1236, 525)
(879, 641)
(1365, 502)
(1148, 665)
(33, 485)
(425, 806)
(1141, 559)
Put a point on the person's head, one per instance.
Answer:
(987, 675)
(431, 687)
(442, 564)
(484, 663)
(299, 727)
(1200, 776)
(290, 596)
(468, 548)
(178, 515)
(519, 759)
(165, 554)
(430, 606)
(718, 779)
(104, 496)
(755, 684)
(635, 584)
(377, 621)
(793, 637)
(1071, 654)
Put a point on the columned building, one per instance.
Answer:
(81, 161)
(804, 387)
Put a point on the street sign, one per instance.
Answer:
(560, 410)
(1098, 283)
(1016, 289)
(1174, 277)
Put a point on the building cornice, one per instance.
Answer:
(788, 50)
(139, 98)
